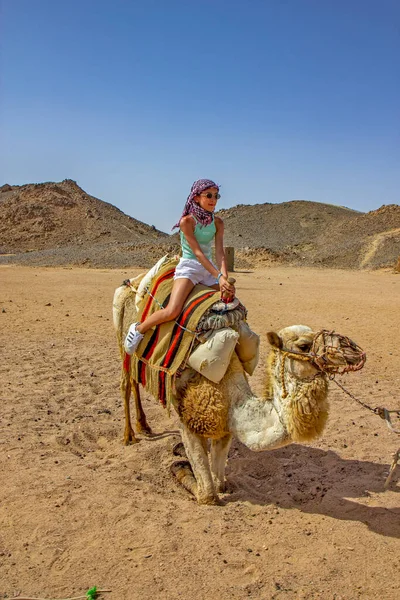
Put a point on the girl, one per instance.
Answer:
(198, 228)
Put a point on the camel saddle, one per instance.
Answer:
(164, 349)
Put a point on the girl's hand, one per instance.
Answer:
(226, 288)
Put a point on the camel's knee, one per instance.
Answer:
(209, 499)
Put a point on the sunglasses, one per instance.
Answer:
(209, 195)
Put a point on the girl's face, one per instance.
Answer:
(208, 199)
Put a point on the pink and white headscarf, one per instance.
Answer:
(204, 217)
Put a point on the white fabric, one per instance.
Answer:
(188, 268)
(248, 348)
(147, 279)
(212, 358)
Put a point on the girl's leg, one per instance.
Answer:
(180, 291)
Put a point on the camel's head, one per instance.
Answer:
(298, 370)
(324, 351)
(296, 340)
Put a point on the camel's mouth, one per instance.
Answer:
(335, 353)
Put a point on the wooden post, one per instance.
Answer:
(230, 258)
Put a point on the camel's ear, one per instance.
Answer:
(274, 339)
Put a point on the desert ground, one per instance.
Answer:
(79, 509)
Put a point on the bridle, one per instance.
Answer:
(320, 360)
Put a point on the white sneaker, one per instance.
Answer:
(133, 339)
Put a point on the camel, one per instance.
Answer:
(294, 407)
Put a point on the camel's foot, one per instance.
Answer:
(182, 471)
(179, 450)
(129, 437)
(144, 428)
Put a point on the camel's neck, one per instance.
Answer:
(258, 423)
(265, 424)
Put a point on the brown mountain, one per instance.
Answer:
(51, 215)
(313, 233)
(280, 226)
(60, 224)
(370, 240)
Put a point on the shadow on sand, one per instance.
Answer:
(313, 481)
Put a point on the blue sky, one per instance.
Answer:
(276, 100)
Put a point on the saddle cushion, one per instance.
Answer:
(212, 358)
(147, 279)
(248, 347)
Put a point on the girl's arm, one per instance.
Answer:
(187, 226)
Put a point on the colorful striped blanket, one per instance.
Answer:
(166, 347)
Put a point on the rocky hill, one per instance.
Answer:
(370, 240)
(53, 215)
(316, 234)
(60, 224)
(281, 226)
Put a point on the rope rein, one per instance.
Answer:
(381, 411)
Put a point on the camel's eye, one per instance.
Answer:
(304, 347)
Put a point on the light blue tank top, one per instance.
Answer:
(204, 234)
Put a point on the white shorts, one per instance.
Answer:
(188, 268)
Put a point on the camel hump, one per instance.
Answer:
(122, 305)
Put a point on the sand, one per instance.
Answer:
(79, 509)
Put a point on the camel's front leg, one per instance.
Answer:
(202, 485)
(219, 457)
